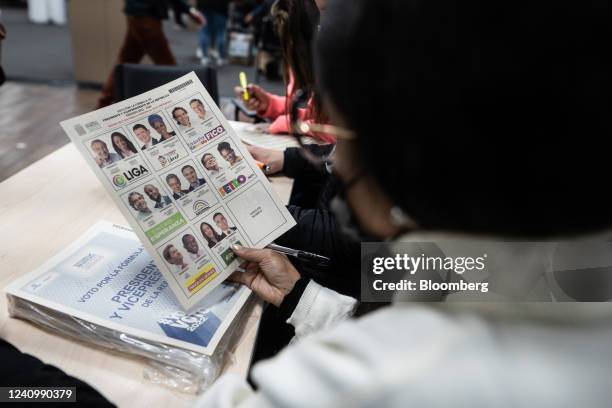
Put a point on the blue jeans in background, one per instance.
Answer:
(214, 29)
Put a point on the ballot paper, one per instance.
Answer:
(184, 181)
(108, 279)
(255, 135)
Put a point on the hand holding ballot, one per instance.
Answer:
(189, 195)
(267, 273)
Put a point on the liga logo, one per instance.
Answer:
(232, 185)
(119, 180)
(199, 206)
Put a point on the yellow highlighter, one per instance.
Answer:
(243, 84)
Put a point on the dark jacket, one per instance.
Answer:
(23, 370)
(215, 6)
(316, 231)
(153, 8)
(183, 194)
(311, 185)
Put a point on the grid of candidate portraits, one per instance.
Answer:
(173, 170)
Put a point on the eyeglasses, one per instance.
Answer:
(304, 128)
(301, 129)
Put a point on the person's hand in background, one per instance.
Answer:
(267, 273)
(275, 159)
(258, 98)
(197, 16)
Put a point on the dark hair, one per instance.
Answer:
(129, 144)
(196, 100)
(185, 236)
(166, 252)
(171, 176)
(189, 166)
(215, 216)
(202, 159)
(495, 111)
(224, 146)
(296, 23)
(176, 109)
(139, 126)
(218, 237)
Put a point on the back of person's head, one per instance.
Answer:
(296, 22)
(477, 116)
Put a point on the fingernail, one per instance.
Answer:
(236, 247)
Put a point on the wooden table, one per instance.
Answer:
(43, 209)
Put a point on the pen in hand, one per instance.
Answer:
(302, 255)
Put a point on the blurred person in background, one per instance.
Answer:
(498, 82)
(47, 11)
(296, 23)
(145, 36)
(258, 9)
(213, 33)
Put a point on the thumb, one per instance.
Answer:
(239, 277)
(251, 254)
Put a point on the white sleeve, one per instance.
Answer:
(230, 391)
(319, 308)
(396, 357)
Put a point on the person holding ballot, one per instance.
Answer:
(429, 152)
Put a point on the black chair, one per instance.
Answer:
(134, 79)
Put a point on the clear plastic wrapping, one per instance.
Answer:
(174, 367)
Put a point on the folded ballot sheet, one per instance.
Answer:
(183, 180)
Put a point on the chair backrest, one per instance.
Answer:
(134, 79)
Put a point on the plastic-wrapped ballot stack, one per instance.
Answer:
(129, 308)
